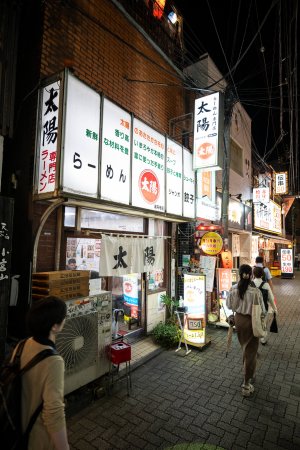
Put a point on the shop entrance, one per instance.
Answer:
(127, 303)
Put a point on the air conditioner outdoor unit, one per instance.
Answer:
(82, 344)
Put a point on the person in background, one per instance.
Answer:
(239, 300)
(45, 381)
(258, 273)
(71, 264)
(259, 262)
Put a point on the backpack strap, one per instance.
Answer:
(261, 285)
(17, 356)
(37, 358)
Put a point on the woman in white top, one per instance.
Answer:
(239, 300)
(258, 273)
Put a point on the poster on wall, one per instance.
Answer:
(148, 167)
(115, 153)
(194, 300)
(224, 283)
(207, 266)
(130, 290)
(81, 139)
(174, 178)
(286, 263)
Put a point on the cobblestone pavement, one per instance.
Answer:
(194, 401)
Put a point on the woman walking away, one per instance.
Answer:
(239, 300)
(267, 294)
(44, 383)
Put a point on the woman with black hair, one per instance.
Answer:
(240, 299)
(44, 383)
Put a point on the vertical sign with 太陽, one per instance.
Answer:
(115, 155)
(208, 118)
(148, 167)
(81, 139)
(47, 139)
(174, 178)
(189, 185)
(194, 300)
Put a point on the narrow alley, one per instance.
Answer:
(194, 401)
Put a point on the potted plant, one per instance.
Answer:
(167, 334)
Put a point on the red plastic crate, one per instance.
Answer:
(120, 352)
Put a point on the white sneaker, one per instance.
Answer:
(247, 390)
(263, 341)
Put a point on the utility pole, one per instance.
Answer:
(229, 101)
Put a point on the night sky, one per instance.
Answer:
(242, 37)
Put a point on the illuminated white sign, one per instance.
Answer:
(189, 190)
(47, 147)
(115, 155)
(174, 178)
(148, 167)
(268, 217)
(81, 143)
(286, 261)
(261, 195)
(281, 183)
(207, 120)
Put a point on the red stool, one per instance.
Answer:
(120, 352)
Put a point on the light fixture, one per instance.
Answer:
(172, 17)
(238, 196)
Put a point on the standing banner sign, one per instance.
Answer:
(224, 283)
(286, 263)
(194, 300)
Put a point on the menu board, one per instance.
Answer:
(194, 300)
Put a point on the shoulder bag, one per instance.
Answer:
(259, 325)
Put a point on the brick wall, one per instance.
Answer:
(104, 50)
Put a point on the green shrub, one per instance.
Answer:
(166, 334)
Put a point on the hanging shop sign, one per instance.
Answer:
(194, 300)
(126, 255)
(120, 160)
(148, 167)
(81, 139)
(281, 183)
(261, 195)
(236, 245)
(286, 263)
(115, 153)
(46, 151)
(211, 243)
(268, 217)
(188, 185)
(226, 259)
(208, 120)
(174, 178)
(206, 207)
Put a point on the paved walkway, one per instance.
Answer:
(194, 401)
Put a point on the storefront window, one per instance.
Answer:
(107, 221)
(127, 302)
(70, 216)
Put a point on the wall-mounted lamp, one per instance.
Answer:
(238, 196)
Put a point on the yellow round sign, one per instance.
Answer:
(211, 243)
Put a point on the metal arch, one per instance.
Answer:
(49, 210)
